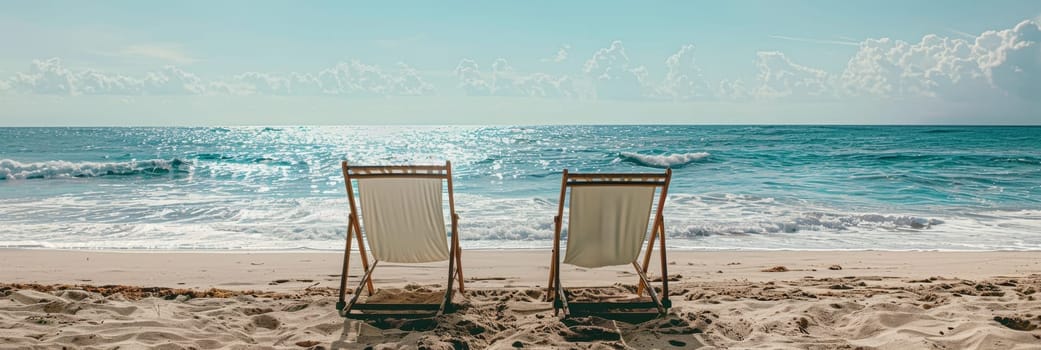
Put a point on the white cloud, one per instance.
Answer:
(409, 82)
(251, 83)
(470, 78)
(613, 76)
(608, 74)
(352, 78)
(172, 81)
(51, 77)
(940, 67)
(561, 55)
(1015, 65)
(347, 78)
(546, 85)
(683, 78)
(733, 90)
(999, 64)
(359, 79)
(1002, 62)
(303, 84)
(504, 80)
(45, 77)
(984, 67)
(896, 69)
(779, 77)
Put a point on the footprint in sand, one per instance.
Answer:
(266, 321)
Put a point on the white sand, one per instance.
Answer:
(891, 300)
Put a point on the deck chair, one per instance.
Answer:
(403, 216)
(608, 218)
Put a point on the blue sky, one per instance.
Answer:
(519, 62)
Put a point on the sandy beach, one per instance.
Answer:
(193, 175)
(784, 299)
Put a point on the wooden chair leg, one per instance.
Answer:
(452, 272)
(361, 284)
(341, 303)
(664, 267)
(459, 269)
(650, 289)
(561, 299)
(549, 284)
(647, 260)
(553, 264)
(362, 253)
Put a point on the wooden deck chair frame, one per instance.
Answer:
(556, 292)
(455, 269)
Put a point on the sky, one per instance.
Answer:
(116, 63)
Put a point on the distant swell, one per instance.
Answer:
(14, 170)
(663, 161)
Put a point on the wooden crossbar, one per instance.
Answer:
(580, 179)
(384, 316)
(616, 183)
(599, 307)
(384, 168)
(384, 171)
(374, 306)
(659, 176)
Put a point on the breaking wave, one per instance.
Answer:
(14, 170)
(663, 161)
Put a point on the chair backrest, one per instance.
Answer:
(402, 211)
(608, 217)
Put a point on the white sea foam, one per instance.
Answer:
(172, 220)
(663, 161)
(15, 170)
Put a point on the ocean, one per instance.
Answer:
(733, 188)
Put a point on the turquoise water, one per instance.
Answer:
(734, 187)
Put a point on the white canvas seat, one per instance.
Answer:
(403, 219)
(607, 224)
